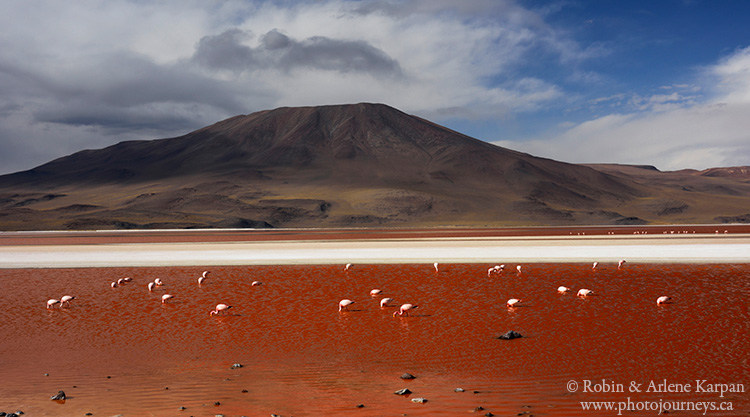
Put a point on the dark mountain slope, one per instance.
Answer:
(346, 165)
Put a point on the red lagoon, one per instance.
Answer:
(121, 351)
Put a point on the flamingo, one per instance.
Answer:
(66, 299)
(220, 308)
(594, 265)
(166, 297)
(663, 300)
(347, 267)
(436, 267)
(255, 283)
(513, 302)
(621, 263)
(490, 271)
(518, 268)
(120, 281)
(158, 282)
(51, 303)
(203, 277)
(562, 289)
(385, 301)
(583, 292)
(151, 286)
(113, 284)
(127, 279)
(374, 292)
(344, 304)
(404, 310)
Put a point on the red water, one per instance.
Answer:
(121, 351)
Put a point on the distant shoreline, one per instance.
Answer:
(341, 246)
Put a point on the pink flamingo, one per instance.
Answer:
(594, 265)
(113, 284)
(344, 304)
(203, 277)
(66, 299)
(385, 301)
(621, 263)
(584, 292)
(166, 297)
(518, 268)
(404, 310)
(497, 269)
(513, 302)
(220, 308)
(121, 281)
(151, 286)
(347, 267)
(663, 300)
(127, 279)
(51, 303)
(255, 283)
(374, 292)
(158, 282)
(562, 289)
(436, 267)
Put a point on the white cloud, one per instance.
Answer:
(105, 71)
(672, 131)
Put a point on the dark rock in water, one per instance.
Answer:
(510, 335)
(404, 391)
(419, 400)
(488, 414)
(59, 396)
(407, 376)
(360, 406)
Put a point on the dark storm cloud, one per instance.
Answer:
(131, 92)
(281, 52)
(224, 51)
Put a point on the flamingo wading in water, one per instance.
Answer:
(51, 303)
(404, 310)
(584, 292)
(513, 302)
(66, 299)
(663, 300)
(344, 304)
(166, 297)
(220, 308)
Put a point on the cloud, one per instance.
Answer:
(279, 52)
(89, 74)
(682, 129)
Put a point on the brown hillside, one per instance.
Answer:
(347, 165)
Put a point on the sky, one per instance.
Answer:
(658, 82)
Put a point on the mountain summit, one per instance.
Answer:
(345, 165)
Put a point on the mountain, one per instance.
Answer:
(347, 166)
